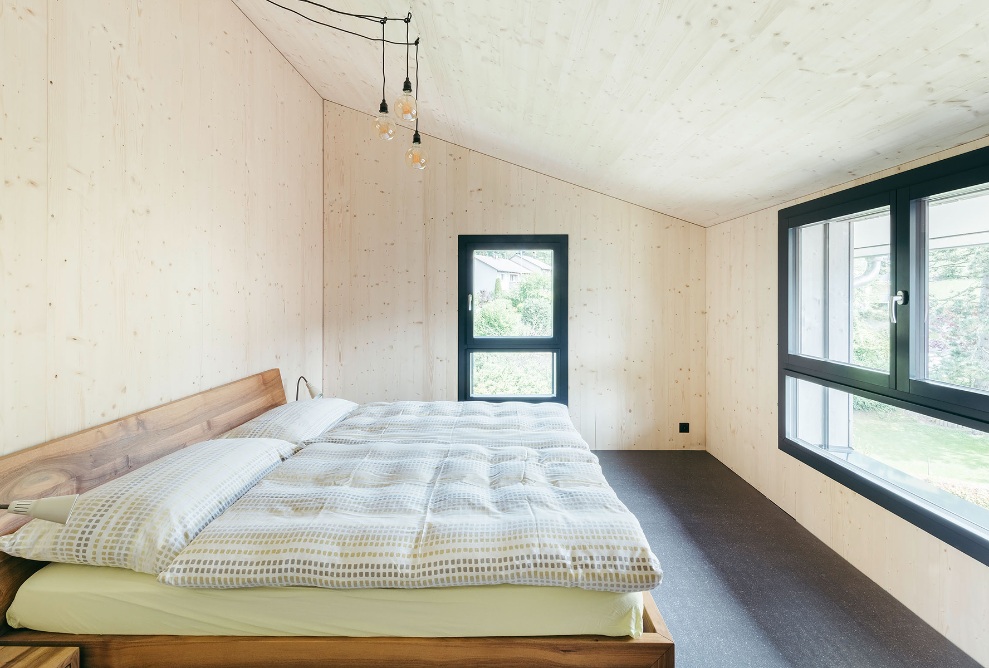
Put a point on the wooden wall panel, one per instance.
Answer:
(176, 242)
(23, 227)
(636, 284)
(946, 588)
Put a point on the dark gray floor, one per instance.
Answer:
(745, 585)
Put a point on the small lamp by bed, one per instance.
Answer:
(53, 509)
(313, 392)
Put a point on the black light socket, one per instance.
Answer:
(416, 139)
(383, 109)
(407, 86)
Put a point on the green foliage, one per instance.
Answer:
(537, 316)
(870, 322)
(498, 317)
(533, 297)
(512, 374)
(536, 284)
(958, 318)
(525, 310)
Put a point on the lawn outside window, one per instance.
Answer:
(884, 344)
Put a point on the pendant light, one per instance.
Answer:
(416, 157)
(405, 105)
(384, 126)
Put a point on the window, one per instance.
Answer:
(884, 355)
(513, 317)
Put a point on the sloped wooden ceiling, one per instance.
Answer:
(701, 110)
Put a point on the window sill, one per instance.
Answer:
(938, 513)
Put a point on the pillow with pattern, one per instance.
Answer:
(295, 422)
(141, 520)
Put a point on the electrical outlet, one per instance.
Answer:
(684, 427)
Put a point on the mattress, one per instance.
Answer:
(71, 598)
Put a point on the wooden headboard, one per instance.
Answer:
(79, 462)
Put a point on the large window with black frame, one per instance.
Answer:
(884, 343)
(513, 317)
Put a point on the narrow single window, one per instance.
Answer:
(513, 318)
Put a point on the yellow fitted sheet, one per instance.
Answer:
(69, 598)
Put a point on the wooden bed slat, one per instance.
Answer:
(262, 652)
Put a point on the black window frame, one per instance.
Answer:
(896, 388)
(468, 343)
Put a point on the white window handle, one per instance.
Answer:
(900, 298)
(470, 302)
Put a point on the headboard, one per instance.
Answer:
(81, 461)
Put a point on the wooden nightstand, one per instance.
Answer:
(39, 657)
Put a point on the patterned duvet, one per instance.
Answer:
(545, 425)
(414, 495)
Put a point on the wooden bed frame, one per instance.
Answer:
(84, 460)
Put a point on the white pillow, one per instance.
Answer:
(143, 519)
(295, 422)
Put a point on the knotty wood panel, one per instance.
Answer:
(161, 210)
(23, 216)
(943, 586)
(702, 110)
(636, 284)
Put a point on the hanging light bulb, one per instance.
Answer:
(405, 105)
(416, 157)
(384, 126)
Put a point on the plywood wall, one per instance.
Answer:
(636, 277)
(946, 588)
(160, 209)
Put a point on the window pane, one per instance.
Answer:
(955, 337)
(513, 293)
(512, 374)
(905, 448)
(842, 287)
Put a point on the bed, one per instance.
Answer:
(82, 461)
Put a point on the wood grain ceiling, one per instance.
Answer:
(702, 110)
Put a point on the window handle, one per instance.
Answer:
(899, 299)
(470, 301)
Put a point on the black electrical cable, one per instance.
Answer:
(366, 17)
(383, 103)
(415, 134)
(376, 19)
